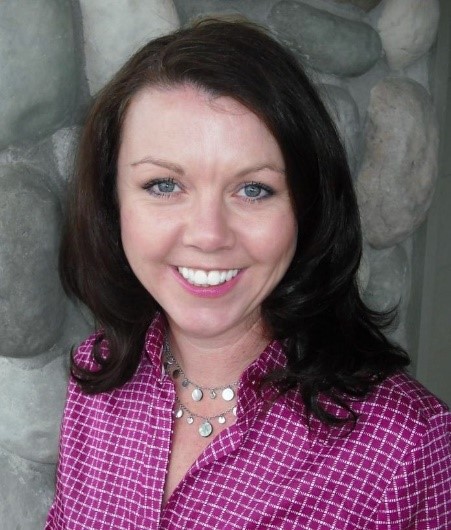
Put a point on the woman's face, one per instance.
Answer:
(206, 219)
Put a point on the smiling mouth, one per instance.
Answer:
(203, 278)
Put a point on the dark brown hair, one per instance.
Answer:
(333, 341)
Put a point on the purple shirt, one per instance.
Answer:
(267, 471)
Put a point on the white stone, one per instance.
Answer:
(113, 31)
(408, 29)
(32, 406)
(387, 285)
(64, 143)
(398, 173)
(345, 113)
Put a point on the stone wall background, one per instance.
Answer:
(370, 59)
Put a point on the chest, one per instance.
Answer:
(186, 447)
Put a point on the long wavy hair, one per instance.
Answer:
(334, 343)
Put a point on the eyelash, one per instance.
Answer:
(269, 191)
(156, 182)
(148, 187)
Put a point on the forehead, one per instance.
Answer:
(187, 119)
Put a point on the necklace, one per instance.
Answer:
(227, 393)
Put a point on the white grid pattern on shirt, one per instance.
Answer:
(268, 471)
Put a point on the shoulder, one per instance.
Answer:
(401, 413)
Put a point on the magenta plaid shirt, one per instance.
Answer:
(267, 471)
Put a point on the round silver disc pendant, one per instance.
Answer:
(185, 383)
(228, 394)
(205, 429)
(179, 413)
(221, 420)
(189, 420)
(197, 394)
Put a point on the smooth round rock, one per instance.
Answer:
(328, 43)
(408, 28)
(388, 278)
(366, 5)
(252, 9)
(32, 406)
(64, 143)
(113, 31)
(39, 70)
(396, 181)
(345, 113)
(32, 303)
(26, 492)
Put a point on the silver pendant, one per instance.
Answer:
(212, 394)
(197, 394)
(228, 394)
(234, 411)
(189, 420)
(185, 383)
(179, 413)
(221, 420)
(205, 429)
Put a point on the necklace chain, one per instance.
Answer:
(227, 392)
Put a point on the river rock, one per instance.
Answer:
(26, 492)
(366, 5)
(252, 9)
(114, 30)
(345, 113)
(387, 283)
(408, 29)
(398, 173)
(32, 303)
(327, 42)
(32, 407)
(39, 70)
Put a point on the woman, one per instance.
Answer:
(236, 380)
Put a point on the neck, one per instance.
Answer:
(217, 361)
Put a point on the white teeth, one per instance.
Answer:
(203, 278)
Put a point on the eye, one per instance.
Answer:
(162, 187)
(254, 191)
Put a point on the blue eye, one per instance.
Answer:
(162, 187)
(255, 191)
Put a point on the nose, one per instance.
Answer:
(209, 225)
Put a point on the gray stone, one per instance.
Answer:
(39, 70)
(328, 43)
(363, 274)
(408, 29)
(114, 30)
(366, 5)
(345, 113)
(26, 492)
(32, 405)
(256, 10)
(398, 173)
(387, 284)
(32, 304)
(64, 144)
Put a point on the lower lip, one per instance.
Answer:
(214, 291)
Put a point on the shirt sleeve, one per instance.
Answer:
(419, 496)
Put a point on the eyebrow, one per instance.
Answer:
(179, 170)
(159, 162)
